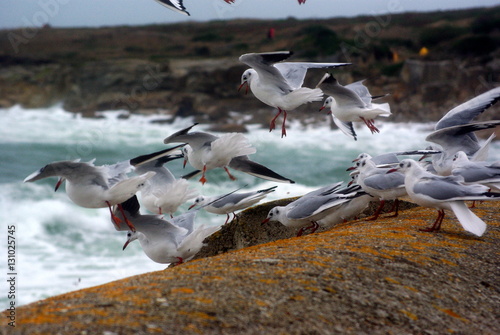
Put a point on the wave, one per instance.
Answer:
(62, 247)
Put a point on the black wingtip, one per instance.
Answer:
(131, 205)
(162, 154)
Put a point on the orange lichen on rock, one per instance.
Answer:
(384, 276)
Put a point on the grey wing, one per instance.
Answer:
(473, 172)
(460, 137)
(295, 72)
(307, 207)
(196, 140)
(325, 190)
(244, 164)
(445, 188)
(361, 90)
(185, 220)
(346, 127)
(467, 111)
(343, 96)
(232, 199)
(385, 181)
(314, 205)
(116, 172)
(388, 158)
(263, 64)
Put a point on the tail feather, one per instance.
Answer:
(469, 221)
(233, 144)
(385, 109)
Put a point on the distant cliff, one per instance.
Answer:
(193, 69)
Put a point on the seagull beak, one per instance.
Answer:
(266, 220)
(126, 243)
(391, 171)
(58, 184)
(322, 107)
(243, 84)
(351, 168)
(191, 206)
(185, 162)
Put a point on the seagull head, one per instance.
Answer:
(403, 166)
(131, 236)
(199, 200)
(246, 77)
(272, 215)
(327, 104)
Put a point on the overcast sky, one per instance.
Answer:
(95, 13)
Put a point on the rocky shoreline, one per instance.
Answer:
(193, 69)
(360, 277)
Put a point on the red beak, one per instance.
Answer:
(58, 184)
(125, 245)
(351, 168)
(391, 171)
(265, 221)
(322, 107)
(243, 84)
(191, 206)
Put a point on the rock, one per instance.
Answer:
(360, 277)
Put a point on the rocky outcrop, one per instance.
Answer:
(192, 69)
(361, 277)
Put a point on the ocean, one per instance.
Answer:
(60, 247)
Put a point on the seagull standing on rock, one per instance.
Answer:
(305, 212)
(444, 193)
(230, 203)
(279, 84)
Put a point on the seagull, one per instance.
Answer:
(227, 204)
(163, 193)
(482, 172)
(175, 5)
(351, 103)
(305, 212)
(279, 85)
(455, 131)
(348, 209)
(93, 186)
(204, 141)
(164, 241)
(444, 193)
(378, 183)
(206, 151)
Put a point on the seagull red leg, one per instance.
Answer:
(395, 209)
(283, 128)
(117, 220)
(273, 121)
(203, 180)
(377, 212)
(229, 174)
(437, 224)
